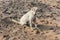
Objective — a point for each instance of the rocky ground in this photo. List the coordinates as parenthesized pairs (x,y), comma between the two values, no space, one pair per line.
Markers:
(47,19)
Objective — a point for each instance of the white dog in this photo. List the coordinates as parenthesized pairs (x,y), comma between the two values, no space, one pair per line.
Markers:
(28,17)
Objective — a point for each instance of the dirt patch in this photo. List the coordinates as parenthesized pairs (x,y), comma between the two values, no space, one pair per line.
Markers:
(47,19)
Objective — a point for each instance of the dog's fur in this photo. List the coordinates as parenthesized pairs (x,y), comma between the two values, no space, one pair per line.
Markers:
(28,17)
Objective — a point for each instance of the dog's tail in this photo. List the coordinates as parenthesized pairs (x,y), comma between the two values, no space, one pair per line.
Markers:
(15,21)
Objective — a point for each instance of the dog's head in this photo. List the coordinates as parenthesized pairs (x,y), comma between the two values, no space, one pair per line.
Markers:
(34,8)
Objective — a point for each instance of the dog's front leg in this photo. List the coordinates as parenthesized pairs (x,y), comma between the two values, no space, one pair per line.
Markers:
(30,23)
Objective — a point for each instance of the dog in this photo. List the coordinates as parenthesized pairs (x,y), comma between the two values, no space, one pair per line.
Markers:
(28,17)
